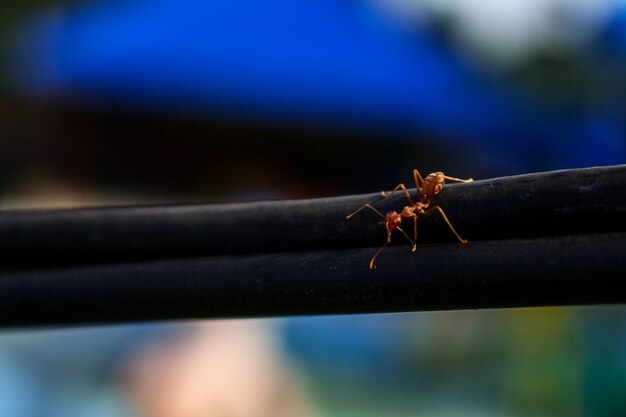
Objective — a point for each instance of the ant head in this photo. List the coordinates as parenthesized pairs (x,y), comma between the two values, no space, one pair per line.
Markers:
(393,220)
(433,183)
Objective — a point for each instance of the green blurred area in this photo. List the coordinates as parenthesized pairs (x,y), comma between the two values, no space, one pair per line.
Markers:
(556,361)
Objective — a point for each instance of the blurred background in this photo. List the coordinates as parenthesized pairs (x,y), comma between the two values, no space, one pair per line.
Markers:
(162,101)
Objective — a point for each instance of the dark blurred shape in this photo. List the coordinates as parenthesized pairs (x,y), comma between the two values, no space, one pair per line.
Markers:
(316,62)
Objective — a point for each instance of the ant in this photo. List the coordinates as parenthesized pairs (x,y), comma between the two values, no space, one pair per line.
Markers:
(431,186)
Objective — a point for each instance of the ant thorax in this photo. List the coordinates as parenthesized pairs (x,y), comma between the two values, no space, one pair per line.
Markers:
(407,211)
(420,207)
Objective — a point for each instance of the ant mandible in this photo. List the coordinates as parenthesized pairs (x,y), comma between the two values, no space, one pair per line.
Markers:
(431,186)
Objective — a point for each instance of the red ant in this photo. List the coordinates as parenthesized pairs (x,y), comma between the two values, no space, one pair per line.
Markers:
(431,186)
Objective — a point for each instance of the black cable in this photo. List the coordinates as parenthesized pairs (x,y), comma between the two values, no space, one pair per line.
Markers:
(586,269)
(591,200)
(556,238)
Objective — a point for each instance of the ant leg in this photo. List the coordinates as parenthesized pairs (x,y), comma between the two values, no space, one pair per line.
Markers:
(406,193)
(387,242)
(417,176)
(369,206)
(419,183)
(457,179)
(410,240)
(381,249)
(376,254)
(447,222)
(414,234)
